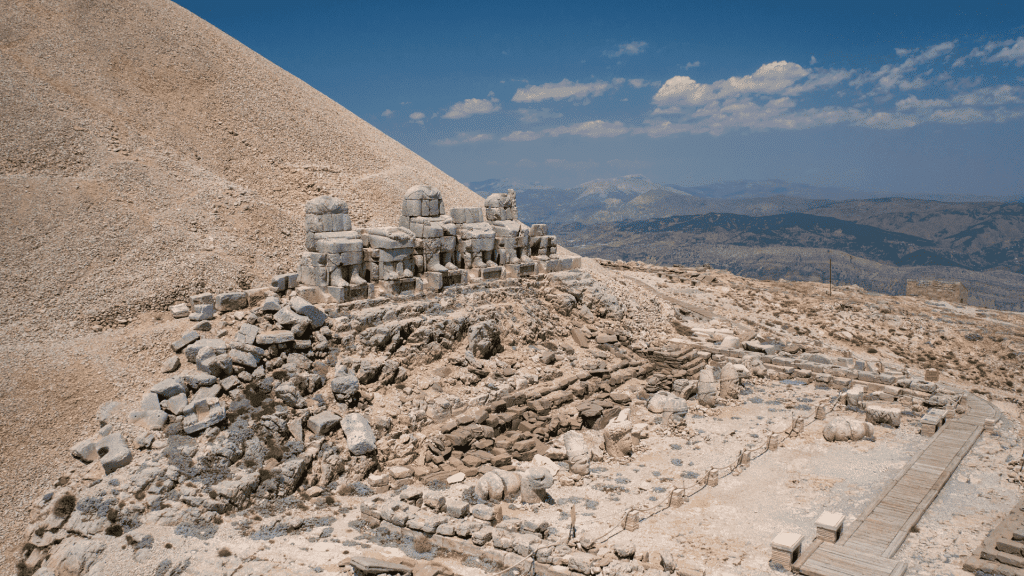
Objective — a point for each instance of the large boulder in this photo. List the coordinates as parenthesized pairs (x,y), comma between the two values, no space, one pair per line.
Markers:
(359,434)
(484,340)
(113,452)
(345,386)
(317,317)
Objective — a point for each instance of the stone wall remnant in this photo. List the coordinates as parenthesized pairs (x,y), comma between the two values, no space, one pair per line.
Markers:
(954,292)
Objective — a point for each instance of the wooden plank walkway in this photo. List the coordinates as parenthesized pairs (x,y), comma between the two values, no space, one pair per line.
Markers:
(825,559)
(883,527)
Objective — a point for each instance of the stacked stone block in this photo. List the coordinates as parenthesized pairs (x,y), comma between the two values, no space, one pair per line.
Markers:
(389,258)
(475,245)
(428,251)
(334,257)
(511,237)
(542,245)
(436,258)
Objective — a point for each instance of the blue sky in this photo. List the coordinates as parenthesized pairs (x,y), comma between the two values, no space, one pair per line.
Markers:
(888,97)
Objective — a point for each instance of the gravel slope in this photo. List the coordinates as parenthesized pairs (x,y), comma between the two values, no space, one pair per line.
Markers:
(144,156)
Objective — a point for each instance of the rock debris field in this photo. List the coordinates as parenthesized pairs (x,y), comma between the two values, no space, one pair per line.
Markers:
(619,419)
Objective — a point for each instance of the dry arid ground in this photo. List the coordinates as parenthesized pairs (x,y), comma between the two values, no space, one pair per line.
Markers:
(145,156)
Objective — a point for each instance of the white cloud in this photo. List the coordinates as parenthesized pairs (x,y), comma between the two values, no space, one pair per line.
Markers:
(694,64)
(565,89)
(471,106)
(532,115)
(417,117)
(818,79)
(387,113)
(892,76)
(684,90)
(813,60)
(464,138)
(523,136)
(990,96)
(778,114)
(888,121)
(771,78)
(1010,53)
(770,97)
(913,103)
(630,49)
(957,116)
(591,129)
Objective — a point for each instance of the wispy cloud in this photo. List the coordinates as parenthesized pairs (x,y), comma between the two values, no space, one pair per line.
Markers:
(630,49)
(417,117)
(566,89)
(783,95)
(533,115)
(892,76)
(1009,51)
(471,106)
(590,129)
(694,64)
(464,138)
(387,113)
(523,136)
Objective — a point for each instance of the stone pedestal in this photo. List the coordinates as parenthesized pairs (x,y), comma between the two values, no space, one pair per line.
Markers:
(437,281)
(401,287)
(486,274)
(786,550)
(829,526)
(350,293)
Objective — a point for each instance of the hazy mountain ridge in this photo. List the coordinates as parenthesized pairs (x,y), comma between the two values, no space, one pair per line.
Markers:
(769,228)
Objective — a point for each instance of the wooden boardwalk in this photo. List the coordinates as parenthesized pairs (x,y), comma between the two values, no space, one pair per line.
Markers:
(883,527)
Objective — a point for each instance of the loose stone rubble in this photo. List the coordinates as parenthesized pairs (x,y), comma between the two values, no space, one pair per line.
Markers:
(445,383)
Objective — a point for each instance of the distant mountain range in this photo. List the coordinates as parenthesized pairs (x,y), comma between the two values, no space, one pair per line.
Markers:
(776,229)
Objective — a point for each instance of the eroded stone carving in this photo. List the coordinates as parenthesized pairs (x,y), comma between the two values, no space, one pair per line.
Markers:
(429,249)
